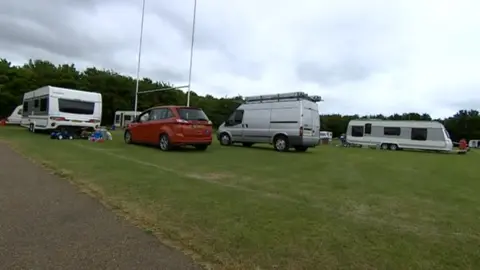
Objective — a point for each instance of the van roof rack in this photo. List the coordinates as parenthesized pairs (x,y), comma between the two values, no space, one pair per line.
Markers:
(293,96)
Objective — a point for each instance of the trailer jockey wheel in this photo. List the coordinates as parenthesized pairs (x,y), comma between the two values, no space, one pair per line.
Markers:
(60,137)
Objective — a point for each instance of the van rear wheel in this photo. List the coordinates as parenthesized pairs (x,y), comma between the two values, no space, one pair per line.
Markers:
(280,143)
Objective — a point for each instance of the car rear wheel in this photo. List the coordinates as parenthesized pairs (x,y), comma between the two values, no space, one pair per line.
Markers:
(127,137)
(164,142)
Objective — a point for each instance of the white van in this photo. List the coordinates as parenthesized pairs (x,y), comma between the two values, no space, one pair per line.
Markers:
(287,121)
(50,108)
(16,117)
(394,135)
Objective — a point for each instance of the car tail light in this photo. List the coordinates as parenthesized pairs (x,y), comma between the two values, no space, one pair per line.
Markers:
(300,131)
(58,118)
(93,121)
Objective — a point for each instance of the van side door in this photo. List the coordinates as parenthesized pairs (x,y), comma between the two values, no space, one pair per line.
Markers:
(256,125)
(234,124)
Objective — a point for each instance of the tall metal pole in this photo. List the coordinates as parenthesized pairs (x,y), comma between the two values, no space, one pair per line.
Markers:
(191,51)
(139,58)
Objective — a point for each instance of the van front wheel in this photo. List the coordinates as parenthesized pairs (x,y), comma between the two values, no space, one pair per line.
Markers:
(225,139)
(280,143)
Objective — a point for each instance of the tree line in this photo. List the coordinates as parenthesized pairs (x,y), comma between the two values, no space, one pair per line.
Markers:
(118,94)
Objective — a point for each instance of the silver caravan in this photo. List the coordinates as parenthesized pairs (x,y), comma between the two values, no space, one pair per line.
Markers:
(393,135)
(287,121)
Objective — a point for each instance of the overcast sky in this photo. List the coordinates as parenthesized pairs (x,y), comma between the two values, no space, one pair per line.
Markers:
(362,57)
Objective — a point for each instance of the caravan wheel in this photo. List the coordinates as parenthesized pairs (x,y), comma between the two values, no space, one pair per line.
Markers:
(393,147)
(384,146)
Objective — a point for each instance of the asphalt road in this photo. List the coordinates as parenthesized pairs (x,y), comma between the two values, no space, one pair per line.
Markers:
(46,223)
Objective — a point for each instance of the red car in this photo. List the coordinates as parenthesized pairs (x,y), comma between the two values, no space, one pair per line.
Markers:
(171,126)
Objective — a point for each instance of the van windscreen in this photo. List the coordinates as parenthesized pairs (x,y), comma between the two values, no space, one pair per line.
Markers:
(192,114)
(75,106)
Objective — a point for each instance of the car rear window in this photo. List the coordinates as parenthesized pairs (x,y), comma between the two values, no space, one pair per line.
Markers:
(192,114)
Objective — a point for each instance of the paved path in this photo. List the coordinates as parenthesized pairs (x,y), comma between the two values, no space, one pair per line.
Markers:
(45,223)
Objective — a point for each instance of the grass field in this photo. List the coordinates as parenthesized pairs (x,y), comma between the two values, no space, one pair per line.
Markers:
(241,208)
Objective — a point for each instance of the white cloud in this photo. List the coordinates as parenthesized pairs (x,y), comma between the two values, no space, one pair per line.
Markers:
(361,56)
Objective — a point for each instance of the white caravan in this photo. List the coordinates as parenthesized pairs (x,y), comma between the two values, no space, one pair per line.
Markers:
(474,144)
(16,117)
(123,118)
(287,121)
(393,135)
(50,108)
(326,135)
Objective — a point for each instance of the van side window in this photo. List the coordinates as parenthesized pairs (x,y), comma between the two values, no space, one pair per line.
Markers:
(391,131)
(368,128)
(35,103)
(238,118)
(43,104)
(419,134)
(25,106)
(357,131)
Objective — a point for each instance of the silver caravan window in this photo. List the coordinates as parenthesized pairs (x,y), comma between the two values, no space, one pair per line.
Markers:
(419,134)
(25,106)
(391,131)
(128,118)
(357,131)
(75,106)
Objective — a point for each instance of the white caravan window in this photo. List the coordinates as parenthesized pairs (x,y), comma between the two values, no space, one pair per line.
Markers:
(419,134)
(357,131)
(20,112)
(391,131)
(75,106)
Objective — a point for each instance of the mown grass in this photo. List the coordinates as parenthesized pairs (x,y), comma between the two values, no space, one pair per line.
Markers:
(241,208)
